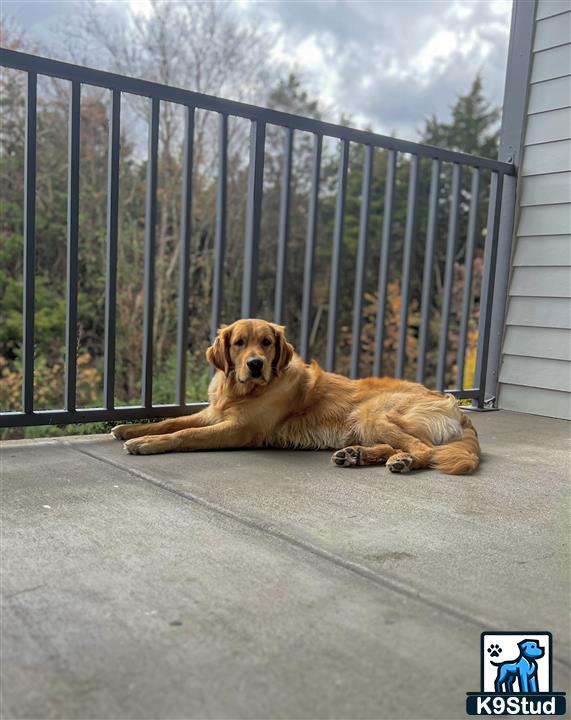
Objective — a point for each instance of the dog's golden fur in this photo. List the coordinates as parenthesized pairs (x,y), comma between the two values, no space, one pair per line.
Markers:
(279,401)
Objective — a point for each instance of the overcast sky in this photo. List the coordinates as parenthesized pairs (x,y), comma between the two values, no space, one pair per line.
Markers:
(388,64)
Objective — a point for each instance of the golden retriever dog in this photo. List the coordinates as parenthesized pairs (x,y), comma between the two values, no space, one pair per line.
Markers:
(264,395)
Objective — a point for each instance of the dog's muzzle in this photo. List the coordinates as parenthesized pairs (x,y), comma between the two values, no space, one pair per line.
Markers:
(255,366)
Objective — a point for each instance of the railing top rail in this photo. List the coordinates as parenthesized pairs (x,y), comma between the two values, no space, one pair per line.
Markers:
(112,81)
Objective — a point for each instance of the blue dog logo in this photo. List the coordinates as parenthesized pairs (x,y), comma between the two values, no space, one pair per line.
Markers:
(523,669)
(519,686)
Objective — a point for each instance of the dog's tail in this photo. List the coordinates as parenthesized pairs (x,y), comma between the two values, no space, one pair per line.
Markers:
(459,457)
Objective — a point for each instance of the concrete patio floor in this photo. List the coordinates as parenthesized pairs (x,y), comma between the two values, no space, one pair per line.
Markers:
(270,584)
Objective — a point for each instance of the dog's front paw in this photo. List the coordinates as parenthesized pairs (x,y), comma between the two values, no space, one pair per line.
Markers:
(152,444)
(400,463)
(126,432)
(119,432)
(348,457)
(135,446)
(146,445)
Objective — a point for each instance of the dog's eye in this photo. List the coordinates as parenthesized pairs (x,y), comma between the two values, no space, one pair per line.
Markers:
(266,342)
(239,343)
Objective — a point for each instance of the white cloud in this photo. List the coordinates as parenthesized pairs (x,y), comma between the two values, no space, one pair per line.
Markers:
(439,48)
(391,64)
(309,54)
(141,7)
(501,8)
(461,10)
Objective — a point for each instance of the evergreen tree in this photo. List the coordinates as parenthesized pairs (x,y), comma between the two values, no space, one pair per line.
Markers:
(474,127)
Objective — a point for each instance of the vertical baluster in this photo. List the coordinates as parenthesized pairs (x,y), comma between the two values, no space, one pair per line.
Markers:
(283,236)
(111,252)
(409,239)
(361,261)
(384,260)
(487,293)
(72,247)
(149,276)
(185,236)
(468,273)
(220,237)
(310,249)
(253,219)
(428,273)
(336,257)
(29,292)
(452,242)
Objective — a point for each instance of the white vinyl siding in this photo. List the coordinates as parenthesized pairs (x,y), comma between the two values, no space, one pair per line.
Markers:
(550,95)
(549,219)
(551,64)
(535,251)
(540,342)
(540,312)
(550,189)
(536,401)
(548,157)
(535,375)
(548,8)
(536,372)
(541,282)
(549,126)
(552,31)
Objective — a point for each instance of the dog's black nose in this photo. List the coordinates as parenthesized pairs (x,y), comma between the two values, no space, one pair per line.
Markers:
(255,366)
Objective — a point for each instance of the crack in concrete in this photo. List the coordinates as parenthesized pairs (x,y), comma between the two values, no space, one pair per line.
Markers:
(24,590)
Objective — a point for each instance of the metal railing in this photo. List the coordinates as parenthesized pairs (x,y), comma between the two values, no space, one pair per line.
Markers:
(259,118)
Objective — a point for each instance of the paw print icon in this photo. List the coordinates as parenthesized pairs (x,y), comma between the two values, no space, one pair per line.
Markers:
(494,650)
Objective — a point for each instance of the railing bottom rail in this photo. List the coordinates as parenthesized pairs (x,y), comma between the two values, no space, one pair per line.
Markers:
(65,417)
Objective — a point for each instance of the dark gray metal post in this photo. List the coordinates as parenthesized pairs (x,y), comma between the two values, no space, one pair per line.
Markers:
(29,303)
(310,250)
(220,237)
(428,270)
(149,276)
(487,294)
(29,299)
(511,142)
(473,228)
(184,260)
(111,259)
(283,235)
(452,242)
(409,240)
(72,247)
(384,261)
(253,219)
(336,258)
(361,261)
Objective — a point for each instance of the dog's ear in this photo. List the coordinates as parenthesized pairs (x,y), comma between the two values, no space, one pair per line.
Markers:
(284,351)
(218,354)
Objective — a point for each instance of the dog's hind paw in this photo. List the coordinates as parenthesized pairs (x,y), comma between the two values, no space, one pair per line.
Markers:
(348,457)
(399,463)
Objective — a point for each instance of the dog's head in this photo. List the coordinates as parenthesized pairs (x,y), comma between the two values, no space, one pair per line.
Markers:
(531,649)
(253,351)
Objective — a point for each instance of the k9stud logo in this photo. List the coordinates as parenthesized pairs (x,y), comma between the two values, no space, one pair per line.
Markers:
(515,676)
